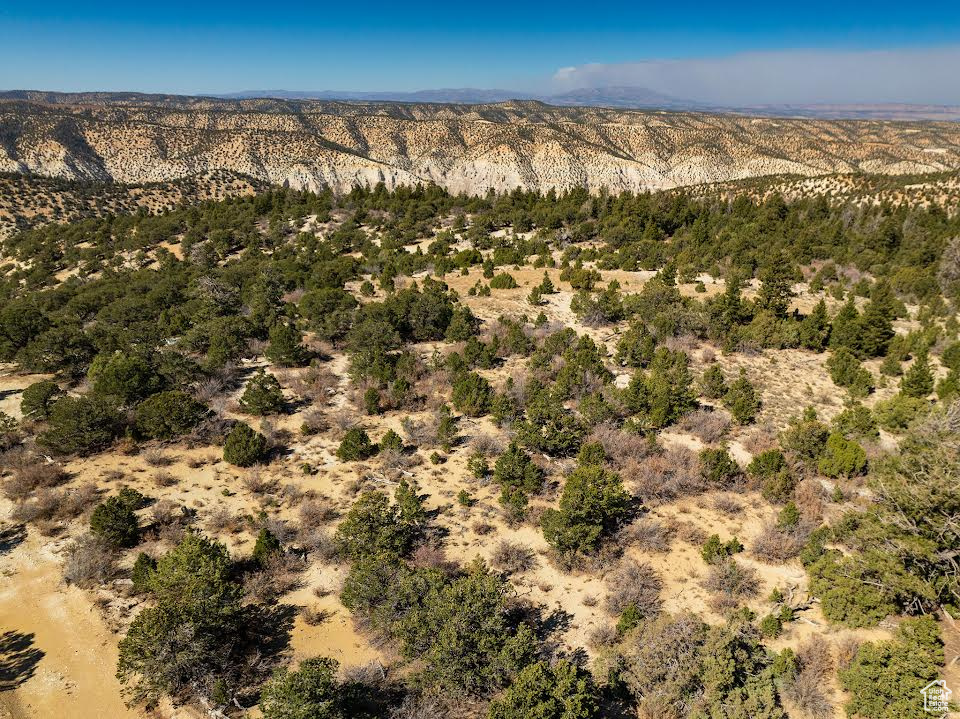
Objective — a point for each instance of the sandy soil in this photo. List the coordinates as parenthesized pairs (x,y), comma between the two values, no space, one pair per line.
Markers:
(68,656)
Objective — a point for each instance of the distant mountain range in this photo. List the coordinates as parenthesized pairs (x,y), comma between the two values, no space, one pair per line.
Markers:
(621,97)
(616,97)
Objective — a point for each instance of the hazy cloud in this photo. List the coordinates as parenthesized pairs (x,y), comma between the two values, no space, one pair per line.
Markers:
(929,76)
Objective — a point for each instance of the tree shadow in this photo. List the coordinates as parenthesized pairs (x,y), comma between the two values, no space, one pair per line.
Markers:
(18,659)
(11,537)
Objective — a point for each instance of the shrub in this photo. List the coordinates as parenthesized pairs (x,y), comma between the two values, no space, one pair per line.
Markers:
(244,447)
(391,441)
(309,692)
(371,401)
(856,421)
(127,378)
(635,586)
(503,281)
(713,383)
(80,425)
(38,398)
(742,401)
(678,666)
(592,506)
(356,446)
(559,691)
(842,458)
(636,347)
(166,415)
(285,348)
(717,467)
(514,468)
(846,371)
(917,382)
(142,573)
(767,463)
(885,678)
(805,437)
(899,412)
(850,591)
(789,516)
(266,547)
(197,605)
(115,522)
(714,551)
(472,394)
(90,561)
(373,526)
(262,395)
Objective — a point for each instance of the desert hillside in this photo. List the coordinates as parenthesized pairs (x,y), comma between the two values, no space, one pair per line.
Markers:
(463,148)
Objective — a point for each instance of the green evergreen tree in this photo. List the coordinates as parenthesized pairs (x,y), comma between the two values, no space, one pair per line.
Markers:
(286,348)
(742,400)
(244,447)
(917,382)
(262,394)
(814,331)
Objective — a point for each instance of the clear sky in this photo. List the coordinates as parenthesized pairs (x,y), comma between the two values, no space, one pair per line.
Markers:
(753,50)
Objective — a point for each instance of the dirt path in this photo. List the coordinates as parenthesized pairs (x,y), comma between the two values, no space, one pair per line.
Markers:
(57,658)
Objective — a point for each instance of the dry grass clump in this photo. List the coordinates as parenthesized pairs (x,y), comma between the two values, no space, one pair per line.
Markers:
(482,528)
(809,496)
(341,420)
(512,557)
(30,473)
(89,562)
(281,529)
(314,421)
(170,520)
(155,458)
(257,483)
(623,449)
(314,616)
(164,479)
(762,438)
(209,391)
(212,430)
(708,426)
(222,519)
(649,535)
(733,579)
(776,545)
(847,649)
(687,531)
(433,556)
(318,542)
(314,513)
(317,383)
(727,504)
(487,445)
(634,584)
(49,508)
(806,688)
(665,477)
(422,433)
(603,637)
(279,576)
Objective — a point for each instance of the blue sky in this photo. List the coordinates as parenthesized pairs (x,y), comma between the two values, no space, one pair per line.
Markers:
(749,49)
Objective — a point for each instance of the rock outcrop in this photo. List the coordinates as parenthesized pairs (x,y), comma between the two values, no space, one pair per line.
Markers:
(464,148)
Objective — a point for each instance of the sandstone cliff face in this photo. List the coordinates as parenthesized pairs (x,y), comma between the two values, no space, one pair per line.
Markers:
(464,148)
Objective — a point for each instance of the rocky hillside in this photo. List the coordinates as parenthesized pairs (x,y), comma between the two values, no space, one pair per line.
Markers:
(465,148)
(28,201)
